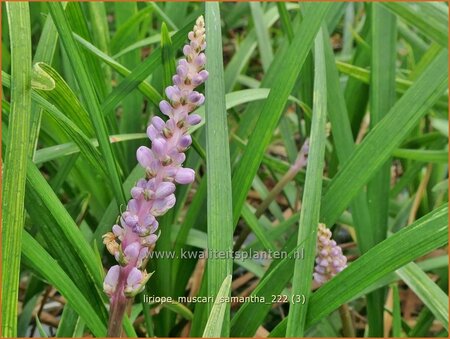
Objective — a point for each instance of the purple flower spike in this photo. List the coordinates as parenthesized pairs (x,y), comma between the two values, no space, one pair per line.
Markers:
(200,78)
(330,260)
(132,241)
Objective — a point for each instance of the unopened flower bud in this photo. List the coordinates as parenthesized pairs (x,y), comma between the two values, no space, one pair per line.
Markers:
(165,107)
(111,280)
(135,282)
(185,176)
(193,119)
(144,156)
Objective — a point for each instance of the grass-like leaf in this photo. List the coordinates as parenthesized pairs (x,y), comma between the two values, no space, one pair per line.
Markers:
(69,323)
(427,290)
(63,237)
(309,217)
(41,330)
(213,328)
(16,158)
(396,313)
(62,150)
(250,315)
(433,26)
(147,89)
(285,20)
(87,89)
(422,155)
(128,20)
(344,143)
(219,203)
(168,58)
(44,53)
(41,79)
(382,98)
(262,35)
(63,97)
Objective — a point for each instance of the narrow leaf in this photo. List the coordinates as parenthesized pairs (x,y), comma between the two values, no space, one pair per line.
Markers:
(427,290)
(87,89)
(15,162)
(168,58)
(309,217)
(219,203)
(216,319)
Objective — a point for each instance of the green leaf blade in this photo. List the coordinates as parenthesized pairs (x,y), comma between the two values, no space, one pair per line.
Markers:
(16,159)
(219,202)
(216,319)
(382,98)
(88,91)
(309,217)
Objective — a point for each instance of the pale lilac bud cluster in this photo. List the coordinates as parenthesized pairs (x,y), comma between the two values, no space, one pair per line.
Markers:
(329,260)
(131,240)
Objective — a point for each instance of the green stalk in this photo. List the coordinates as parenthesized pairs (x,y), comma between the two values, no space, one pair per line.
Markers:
(348,329)
(287,178)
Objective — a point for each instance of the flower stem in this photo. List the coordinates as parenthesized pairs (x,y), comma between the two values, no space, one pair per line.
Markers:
(288,177)
(347,323)
(117,311)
